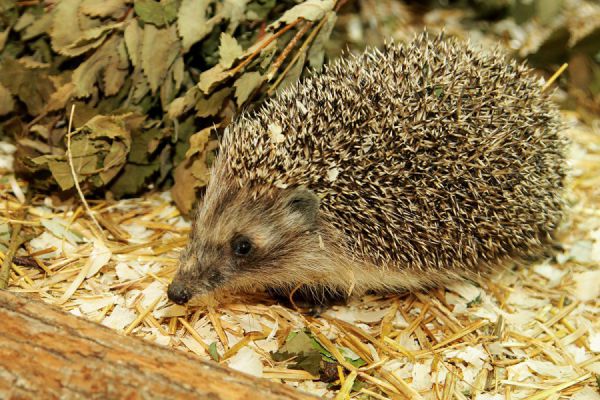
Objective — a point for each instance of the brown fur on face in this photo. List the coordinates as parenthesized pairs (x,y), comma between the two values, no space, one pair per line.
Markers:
(282,225)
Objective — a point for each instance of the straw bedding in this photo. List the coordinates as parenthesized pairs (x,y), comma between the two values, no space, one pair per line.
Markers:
(529,333)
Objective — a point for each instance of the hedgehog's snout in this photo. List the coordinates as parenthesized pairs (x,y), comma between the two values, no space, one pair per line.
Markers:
(179,293)
(195,278)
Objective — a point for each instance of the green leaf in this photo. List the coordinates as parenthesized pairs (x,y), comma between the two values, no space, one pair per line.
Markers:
(359,362)
(475,301)
(309,362)
(324,352)
(299,343)
(212,350)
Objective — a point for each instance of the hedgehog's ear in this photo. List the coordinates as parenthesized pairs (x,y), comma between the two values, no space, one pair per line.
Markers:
(306,203)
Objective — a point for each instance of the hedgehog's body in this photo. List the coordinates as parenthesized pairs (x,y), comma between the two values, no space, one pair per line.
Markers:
(428,161)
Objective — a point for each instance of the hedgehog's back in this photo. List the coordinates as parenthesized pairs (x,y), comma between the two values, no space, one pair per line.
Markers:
(428,155)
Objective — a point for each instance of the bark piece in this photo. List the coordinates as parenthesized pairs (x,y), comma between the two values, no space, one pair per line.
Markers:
(46,353)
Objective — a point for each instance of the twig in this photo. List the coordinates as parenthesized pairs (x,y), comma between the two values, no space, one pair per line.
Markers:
(305,27)
(142,316)
(300,51)
(558,388)
(346,386)
(15,242)
(554,77)
(262,46)
(74,174)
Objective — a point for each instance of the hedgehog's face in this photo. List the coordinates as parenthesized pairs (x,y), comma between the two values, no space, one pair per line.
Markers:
(239,240)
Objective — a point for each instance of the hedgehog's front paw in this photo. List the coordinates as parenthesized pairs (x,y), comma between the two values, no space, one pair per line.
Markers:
(312,300)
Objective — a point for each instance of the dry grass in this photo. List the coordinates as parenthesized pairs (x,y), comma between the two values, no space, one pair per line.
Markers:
(529,333)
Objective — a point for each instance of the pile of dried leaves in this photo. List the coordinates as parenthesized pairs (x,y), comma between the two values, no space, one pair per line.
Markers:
(151,83)
(146,114)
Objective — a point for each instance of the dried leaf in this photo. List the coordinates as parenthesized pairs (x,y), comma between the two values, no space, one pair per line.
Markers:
(192,22)
(246,84)
(172,83)
(311,10)
(155,12)
(144,145)
(60,97)
(141,87)
(583,21)
(293,74)
(159,49)
(316,53)
(133,179)
(73,33)
(184,189)
(31,85)
(41,24)
(229,50)
(65,24)
(60,229)
(105,8)
(7,103)
(86,76)
(99,149)
(133,39)
(212,77)
(183,104)
(3,37)
(198,142)
(25,20)
(235,12)
(212,105)
(117,70)
(193,172)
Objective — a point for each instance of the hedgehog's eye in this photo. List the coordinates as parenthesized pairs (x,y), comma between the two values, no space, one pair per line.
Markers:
(241,246)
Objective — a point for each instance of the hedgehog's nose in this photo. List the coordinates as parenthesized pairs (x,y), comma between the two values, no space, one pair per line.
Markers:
(178,293)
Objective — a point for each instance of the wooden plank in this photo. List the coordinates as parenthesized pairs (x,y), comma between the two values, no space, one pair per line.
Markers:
(46,353)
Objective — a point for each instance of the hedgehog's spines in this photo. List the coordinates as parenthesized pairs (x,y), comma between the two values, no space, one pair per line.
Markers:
(443,157)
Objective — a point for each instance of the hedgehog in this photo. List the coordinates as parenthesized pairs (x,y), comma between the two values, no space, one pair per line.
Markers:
(397,169)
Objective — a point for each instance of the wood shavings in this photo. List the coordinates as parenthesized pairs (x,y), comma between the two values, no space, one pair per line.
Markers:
(587,285)
(528,330)
(119,318)
(248,361)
